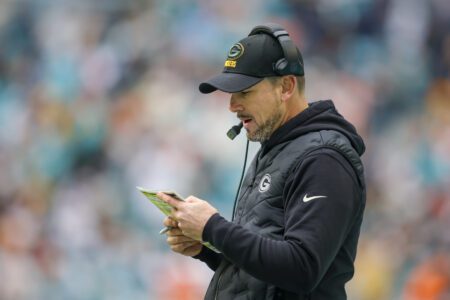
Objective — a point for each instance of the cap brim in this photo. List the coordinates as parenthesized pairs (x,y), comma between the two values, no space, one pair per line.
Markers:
(228,82)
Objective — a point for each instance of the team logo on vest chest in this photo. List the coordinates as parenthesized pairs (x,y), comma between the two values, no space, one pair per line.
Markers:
(264,185)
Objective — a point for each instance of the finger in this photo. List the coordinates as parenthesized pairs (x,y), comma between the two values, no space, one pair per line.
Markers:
(192,247)
(176,215)
(169,200)
(181,247)
(170,222)
(181,239)
(174,232)
(187,245)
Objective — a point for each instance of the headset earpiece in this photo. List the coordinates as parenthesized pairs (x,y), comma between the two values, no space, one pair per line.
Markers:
(281,65)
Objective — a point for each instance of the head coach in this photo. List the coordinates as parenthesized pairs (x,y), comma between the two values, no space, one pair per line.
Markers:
(297,218)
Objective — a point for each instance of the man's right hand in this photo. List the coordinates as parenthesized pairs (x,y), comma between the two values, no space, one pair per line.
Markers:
(180,243)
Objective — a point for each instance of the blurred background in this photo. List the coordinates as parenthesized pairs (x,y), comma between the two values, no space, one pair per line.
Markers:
(97,97)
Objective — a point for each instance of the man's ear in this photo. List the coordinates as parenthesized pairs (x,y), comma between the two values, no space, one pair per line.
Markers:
(288,86)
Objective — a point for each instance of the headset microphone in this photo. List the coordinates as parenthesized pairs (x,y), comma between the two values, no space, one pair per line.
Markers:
(234,131)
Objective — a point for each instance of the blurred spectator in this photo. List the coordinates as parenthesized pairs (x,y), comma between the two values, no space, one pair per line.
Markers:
(430,280)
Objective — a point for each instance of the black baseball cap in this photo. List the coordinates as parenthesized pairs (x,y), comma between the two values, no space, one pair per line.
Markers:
(248,62)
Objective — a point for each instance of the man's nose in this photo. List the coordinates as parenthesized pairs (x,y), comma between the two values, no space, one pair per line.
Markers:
(235,104)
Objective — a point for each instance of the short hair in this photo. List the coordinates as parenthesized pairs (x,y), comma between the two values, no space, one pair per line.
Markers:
(300,82)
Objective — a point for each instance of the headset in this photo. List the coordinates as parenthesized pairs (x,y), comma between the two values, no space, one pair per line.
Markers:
(292,63)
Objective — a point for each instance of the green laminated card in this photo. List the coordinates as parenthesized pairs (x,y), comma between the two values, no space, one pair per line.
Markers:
(166,208)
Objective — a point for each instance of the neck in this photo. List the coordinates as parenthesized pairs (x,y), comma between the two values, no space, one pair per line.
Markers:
(295,106)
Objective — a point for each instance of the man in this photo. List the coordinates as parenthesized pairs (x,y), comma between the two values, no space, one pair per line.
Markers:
(296,224)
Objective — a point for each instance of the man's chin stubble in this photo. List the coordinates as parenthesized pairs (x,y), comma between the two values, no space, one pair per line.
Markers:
(264,132)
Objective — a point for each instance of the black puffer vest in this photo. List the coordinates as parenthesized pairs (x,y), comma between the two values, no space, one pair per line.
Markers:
(260,208)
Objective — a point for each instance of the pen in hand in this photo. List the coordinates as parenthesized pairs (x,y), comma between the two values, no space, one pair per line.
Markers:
(169,225)
(165,229)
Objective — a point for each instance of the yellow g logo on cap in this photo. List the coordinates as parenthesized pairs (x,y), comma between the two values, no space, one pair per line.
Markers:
(236,51)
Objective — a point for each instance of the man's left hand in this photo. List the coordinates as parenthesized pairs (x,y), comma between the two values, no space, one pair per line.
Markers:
(191,214)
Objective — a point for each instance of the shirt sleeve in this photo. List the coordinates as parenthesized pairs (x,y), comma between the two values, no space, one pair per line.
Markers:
(321,199)
(210,258)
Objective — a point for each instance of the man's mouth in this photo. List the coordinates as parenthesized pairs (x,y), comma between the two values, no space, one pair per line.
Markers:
(246,121)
